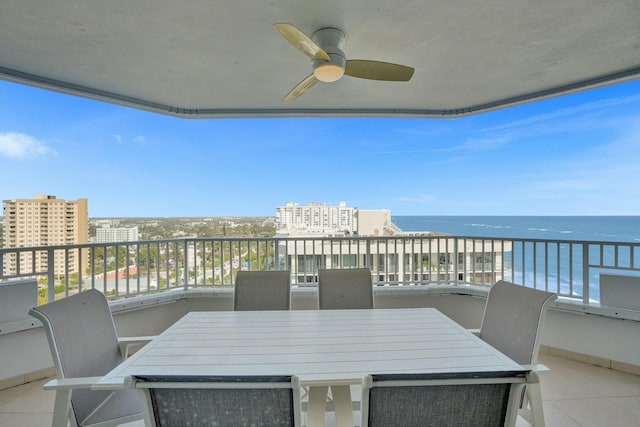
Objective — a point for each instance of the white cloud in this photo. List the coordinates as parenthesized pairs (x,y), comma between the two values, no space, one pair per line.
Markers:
(127,140)
(598,181)
(580,119)
(482,144)
(21,146)
(595,106)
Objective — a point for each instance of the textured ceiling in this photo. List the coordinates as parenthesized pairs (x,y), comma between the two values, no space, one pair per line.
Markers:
(197,58)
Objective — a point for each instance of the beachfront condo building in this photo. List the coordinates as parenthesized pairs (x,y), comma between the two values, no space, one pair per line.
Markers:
(322,219)
(319,237)
(44,221)
(316,218)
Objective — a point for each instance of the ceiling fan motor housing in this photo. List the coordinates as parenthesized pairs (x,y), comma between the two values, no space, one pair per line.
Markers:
(331,40)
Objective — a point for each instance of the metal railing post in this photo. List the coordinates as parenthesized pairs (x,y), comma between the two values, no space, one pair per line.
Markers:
(51,275)
(455,262)
(585,273)
(185,266)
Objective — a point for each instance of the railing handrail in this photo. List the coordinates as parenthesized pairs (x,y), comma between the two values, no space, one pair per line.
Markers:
(567,267)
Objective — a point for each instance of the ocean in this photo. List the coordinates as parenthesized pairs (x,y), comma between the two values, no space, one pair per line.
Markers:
(582,228)
(620,229)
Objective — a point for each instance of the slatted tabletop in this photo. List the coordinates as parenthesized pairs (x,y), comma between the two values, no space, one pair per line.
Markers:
(321,347)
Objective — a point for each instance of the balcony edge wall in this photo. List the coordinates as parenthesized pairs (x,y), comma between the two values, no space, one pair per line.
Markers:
(611,342)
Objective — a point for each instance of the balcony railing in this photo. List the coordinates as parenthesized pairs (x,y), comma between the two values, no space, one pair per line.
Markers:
(127,269)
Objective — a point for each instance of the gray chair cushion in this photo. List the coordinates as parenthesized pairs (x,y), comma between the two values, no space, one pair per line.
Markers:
(84,343)
(262,290)
(224,407)
(513,318)
(455,405)
(345,289)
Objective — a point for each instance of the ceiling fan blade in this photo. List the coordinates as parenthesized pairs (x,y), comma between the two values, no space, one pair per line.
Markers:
(376,70)
(301,41)
(302,87)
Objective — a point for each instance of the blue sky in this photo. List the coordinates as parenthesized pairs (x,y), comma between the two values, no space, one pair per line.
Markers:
(575,155)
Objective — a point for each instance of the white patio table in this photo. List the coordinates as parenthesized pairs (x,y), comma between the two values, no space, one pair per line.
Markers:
(322,347)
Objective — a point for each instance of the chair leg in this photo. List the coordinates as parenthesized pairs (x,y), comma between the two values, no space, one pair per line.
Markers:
(531,410)
(534,396)
(61,408)
(147,411)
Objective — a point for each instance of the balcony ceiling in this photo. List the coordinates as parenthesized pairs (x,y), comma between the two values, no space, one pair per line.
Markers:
(207,58)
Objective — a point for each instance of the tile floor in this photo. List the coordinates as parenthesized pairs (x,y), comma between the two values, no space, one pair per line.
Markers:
(574,394)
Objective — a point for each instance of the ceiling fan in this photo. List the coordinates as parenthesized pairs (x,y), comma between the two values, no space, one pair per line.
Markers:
(329,61)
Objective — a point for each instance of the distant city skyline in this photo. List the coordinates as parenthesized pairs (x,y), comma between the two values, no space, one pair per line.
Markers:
(574,155)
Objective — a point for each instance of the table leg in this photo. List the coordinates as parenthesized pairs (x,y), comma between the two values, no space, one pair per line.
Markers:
(316,406)
(343,405)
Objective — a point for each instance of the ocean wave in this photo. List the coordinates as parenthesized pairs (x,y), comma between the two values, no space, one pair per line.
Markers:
(488,226)
(615,229)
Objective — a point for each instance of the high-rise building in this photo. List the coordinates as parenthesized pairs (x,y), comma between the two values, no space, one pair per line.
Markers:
(45,221)
(316,218)
(116,234)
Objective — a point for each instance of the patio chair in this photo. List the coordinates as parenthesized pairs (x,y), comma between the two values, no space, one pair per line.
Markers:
(348,288)
(442,399)
(512,323)
(262,290)
(221,401)
(84,347)
(343,289)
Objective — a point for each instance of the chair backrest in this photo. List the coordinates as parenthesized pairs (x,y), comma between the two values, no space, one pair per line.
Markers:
(512,321)
(442,399)
(262,290)
(348,288)
(221,401)
(83,342)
